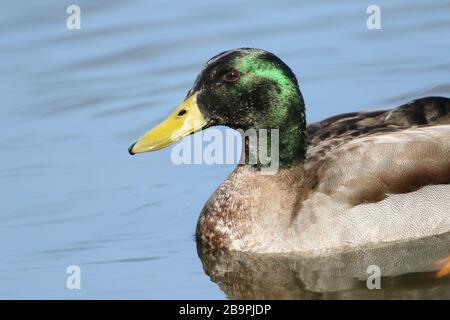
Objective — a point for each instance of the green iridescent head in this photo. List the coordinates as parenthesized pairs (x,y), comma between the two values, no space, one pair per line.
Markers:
(252,88)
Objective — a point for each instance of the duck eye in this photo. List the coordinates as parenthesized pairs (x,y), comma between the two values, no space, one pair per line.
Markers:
(182,112)
(231,76)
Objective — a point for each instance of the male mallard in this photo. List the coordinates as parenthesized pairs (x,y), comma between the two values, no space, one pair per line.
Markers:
(350,180)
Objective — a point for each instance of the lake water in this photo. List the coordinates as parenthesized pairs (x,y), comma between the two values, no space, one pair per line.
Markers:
(72,101)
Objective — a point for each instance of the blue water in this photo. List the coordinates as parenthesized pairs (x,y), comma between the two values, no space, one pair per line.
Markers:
(73,100)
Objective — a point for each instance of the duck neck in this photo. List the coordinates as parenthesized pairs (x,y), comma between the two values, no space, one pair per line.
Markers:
(287,116)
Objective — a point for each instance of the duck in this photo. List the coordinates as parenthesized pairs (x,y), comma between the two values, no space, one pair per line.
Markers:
(353,180)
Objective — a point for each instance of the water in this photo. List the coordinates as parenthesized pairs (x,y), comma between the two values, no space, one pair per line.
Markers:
(72,101)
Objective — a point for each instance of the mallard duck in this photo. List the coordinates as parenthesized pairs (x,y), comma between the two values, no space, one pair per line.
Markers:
(351,180)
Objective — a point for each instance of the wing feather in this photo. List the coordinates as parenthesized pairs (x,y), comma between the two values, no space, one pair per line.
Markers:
(360,158)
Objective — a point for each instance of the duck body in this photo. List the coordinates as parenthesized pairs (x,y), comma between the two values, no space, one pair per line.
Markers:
(368,178)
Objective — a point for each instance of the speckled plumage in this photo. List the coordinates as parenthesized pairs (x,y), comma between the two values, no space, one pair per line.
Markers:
(358,163)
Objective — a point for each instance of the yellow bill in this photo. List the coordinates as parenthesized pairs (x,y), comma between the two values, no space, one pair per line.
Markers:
(186,119)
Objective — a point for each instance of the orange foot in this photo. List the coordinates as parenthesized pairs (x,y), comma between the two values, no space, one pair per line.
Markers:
(445,267)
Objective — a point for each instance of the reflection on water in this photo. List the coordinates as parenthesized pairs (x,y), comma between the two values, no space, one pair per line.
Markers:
(409,270)
(72,101)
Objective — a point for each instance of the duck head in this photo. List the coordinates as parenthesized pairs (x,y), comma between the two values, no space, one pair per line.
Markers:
(241,89)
